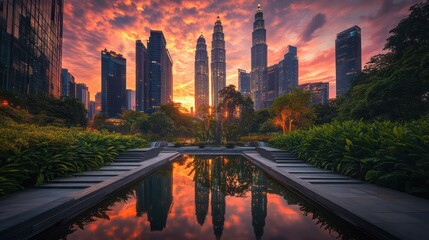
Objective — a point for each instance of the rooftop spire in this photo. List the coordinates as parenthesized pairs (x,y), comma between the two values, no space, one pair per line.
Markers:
(258,9)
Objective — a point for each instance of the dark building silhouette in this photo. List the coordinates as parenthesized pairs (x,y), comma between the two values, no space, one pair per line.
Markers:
(68,84)
(155,197)
(202,91)
(31,46)
(243,82)
(270,87)
(348,58)
(218,196)
(259,203)
(142,77)
(288,71)
(113,83)
(82,94)
(160,72)
(202,190)
(218,62)
(319,92)
(258,59)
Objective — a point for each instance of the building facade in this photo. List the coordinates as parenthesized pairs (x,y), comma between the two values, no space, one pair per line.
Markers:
(202,90)
(82,94)
(68,84)
(244,82)
(218,62)
(160,86)
(131,99)
(98,103)
(31,35)
(348,59)
(270,87)
(288,71)
(319,92)
(142,77)
(258,59)
(113,83)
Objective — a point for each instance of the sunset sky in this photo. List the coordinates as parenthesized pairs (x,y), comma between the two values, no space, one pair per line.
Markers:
(90,26)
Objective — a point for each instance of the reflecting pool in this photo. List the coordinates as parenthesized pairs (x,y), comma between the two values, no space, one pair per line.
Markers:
(206,197)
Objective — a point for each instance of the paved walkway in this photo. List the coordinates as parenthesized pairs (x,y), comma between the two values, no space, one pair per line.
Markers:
(26,213)
(381,212)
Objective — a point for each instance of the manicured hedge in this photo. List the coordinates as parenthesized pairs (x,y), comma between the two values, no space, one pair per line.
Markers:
(31,155)
(391,154)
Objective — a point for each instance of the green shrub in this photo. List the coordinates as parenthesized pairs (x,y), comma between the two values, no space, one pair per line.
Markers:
(31,155)
(230,145)
(390,154)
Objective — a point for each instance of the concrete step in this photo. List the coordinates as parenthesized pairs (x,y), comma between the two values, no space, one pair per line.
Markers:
(293,165)
(116,168)
(333,181)
(79,179)
(125,164)
(128,160)
(98,173)
(66,185)
(289,161)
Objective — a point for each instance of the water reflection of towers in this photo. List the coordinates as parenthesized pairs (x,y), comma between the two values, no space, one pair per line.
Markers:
(154,197)
(212,175)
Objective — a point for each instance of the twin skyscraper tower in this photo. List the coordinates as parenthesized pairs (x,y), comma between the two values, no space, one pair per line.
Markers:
(257,76)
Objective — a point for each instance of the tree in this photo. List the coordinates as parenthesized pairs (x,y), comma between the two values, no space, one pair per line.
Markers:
(136,121)
(206,125)
(292,110)
(161,124)
(395,85)
(236,113)
(325,113)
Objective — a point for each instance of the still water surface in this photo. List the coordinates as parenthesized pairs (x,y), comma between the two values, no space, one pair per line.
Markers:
(206,197)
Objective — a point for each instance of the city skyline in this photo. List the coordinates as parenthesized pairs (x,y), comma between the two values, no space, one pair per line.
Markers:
(310,26)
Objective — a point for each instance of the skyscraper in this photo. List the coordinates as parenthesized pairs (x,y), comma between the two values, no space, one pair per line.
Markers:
(113,83)
(31,35)
(82,94)
(348,58)
(243,82)
(68,85)
(270,86)
(319,92)
(218,62)
(98,103)
(202,90)
(142,77)
(288,71)
(160,72)
(131,99)
(258,58)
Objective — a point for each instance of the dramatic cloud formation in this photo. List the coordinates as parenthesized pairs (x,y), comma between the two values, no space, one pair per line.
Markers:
(316,22)
(90,26)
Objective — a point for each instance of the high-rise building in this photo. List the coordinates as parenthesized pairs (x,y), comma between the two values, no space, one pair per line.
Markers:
(131,99)
(258,58)
(288,71)
(91,110)
(113,83)
(348,58)
(98,103)
(218,62)
(68,85)
(319,92)
(82,94)
(161,72)
(142,77)
(31,45)
(270,87)
(243,82)
(202,90)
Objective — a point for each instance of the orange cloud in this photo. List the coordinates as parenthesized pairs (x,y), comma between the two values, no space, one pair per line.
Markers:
(90,26)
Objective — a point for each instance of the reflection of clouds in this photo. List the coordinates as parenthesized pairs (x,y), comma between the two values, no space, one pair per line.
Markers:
(90,26)
(282,220)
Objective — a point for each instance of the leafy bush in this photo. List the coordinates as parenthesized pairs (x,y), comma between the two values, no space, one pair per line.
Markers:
(386,153)
(31,155)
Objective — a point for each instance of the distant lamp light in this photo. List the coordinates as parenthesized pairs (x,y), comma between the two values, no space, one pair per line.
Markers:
(5,103)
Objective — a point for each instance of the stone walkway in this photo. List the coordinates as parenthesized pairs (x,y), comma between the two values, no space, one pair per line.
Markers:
(26,213)
(381,212)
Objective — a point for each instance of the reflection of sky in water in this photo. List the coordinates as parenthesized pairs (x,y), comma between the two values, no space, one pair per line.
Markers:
(172,192)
